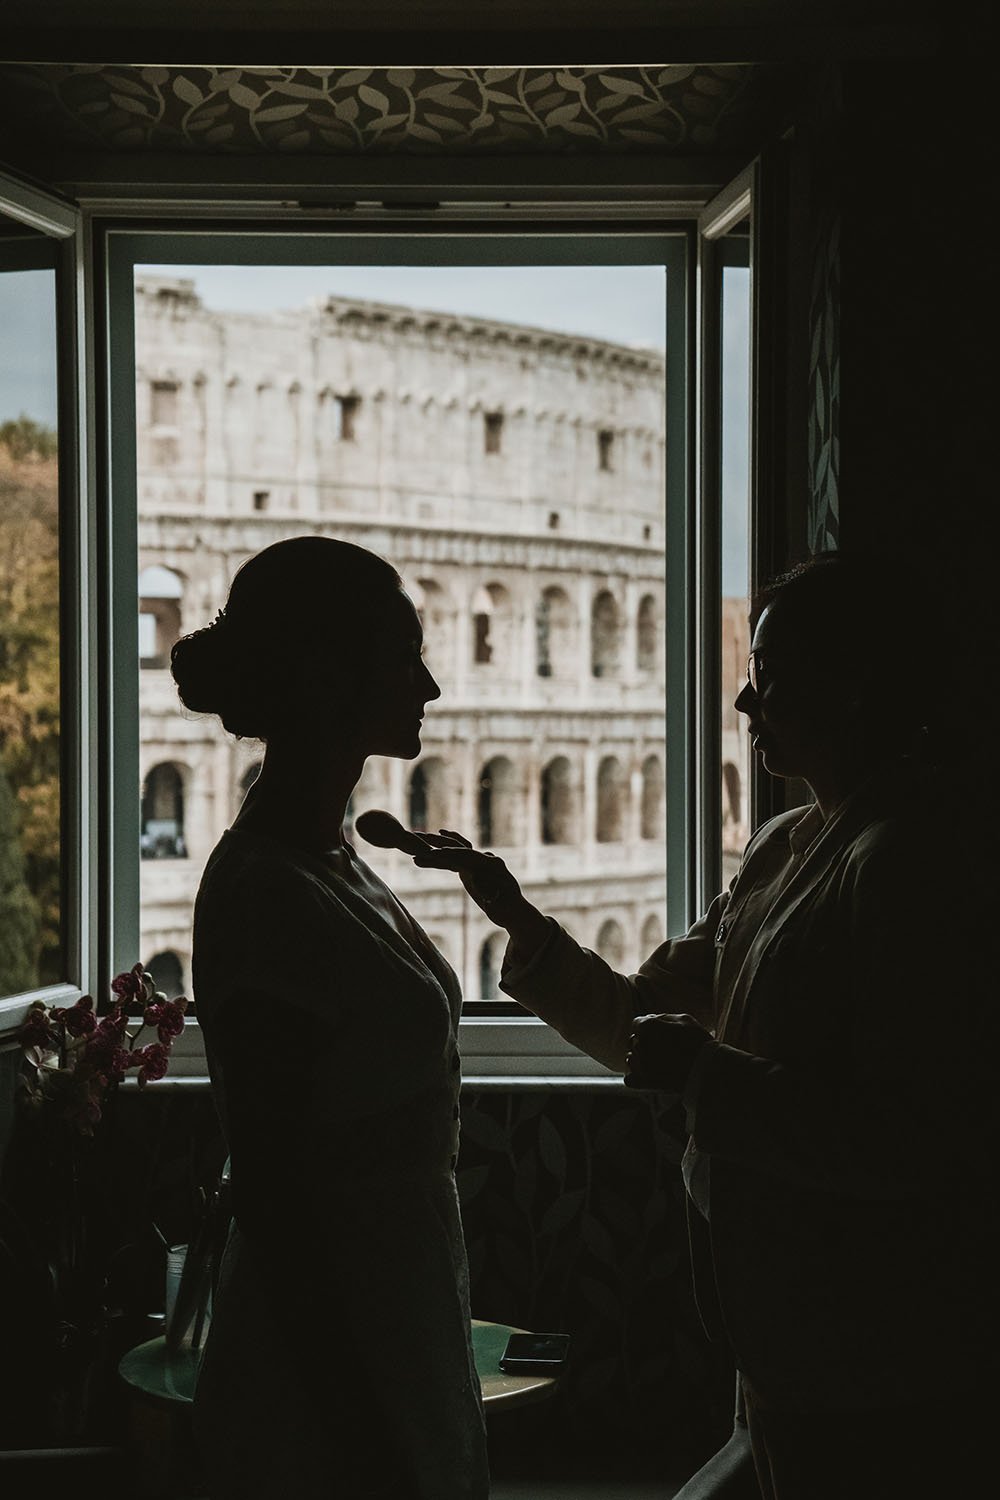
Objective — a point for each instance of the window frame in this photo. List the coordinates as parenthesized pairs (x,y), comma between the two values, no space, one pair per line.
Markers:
(83,910)
(509,1048)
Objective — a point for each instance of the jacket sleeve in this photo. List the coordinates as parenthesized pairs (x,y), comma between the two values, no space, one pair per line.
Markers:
(593,1007)
(903,1100)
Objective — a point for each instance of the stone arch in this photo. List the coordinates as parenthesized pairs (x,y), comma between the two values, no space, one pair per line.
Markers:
(611,942)
(162,813)
(651,934)
(437,617)
(732,794)
(554,634)
(427,795)
(611,800)
(490,962)
(496,804)
(166,970)
(492,626)
(557,811)
(651,808)
(160,593)
(647,635)
(605,635)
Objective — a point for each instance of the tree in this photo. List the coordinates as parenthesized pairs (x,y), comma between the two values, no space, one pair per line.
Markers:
(30,701)
(18,908)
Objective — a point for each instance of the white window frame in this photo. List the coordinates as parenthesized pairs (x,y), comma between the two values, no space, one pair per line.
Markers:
(83,909)
(494,1048)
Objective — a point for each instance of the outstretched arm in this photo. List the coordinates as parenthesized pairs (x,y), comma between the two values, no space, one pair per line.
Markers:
(571,988)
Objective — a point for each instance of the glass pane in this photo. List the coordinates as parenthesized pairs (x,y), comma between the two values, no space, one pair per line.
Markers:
(506,452)
(31,928)
(735,561)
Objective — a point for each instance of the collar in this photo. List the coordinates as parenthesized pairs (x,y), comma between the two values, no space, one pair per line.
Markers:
(809,826)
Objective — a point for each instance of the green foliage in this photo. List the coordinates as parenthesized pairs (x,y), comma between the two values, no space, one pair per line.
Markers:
(30,698)
(24,439)
(18,908)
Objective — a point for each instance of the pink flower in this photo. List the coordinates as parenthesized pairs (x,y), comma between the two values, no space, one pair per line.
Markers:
(80,1020)
(37,1030)
(153,1061)
(133,988)
(170,1022)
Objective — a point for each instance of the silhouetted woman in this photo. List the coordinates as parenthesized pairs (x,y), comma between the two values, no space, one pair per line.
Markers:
(830,1025)
(339,1361)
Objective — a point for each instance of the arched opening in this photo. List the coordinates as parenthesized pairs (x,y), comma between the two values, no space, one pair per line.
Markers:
(732,795)
(426,797)
(434,608)
(611,943)
(605,634)
(490,963)
(491,626)
(647,635)
(652,934)
(554,634)
(651,812)
(160,591)
(496,804)
(556,802)
(610,801)
(162,828)
(250,776)
(167,973)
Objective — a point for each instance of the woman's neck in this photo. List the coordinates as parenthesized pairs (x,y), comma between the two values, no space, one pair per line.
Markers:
(301,794)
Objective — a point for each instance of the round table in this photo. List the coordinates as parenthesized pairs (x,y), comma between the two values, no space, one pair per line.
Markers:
(163,1377)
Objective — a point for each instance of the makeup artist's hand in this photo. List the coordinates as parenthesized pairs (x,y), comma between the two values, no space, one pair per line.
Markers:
(663,1052)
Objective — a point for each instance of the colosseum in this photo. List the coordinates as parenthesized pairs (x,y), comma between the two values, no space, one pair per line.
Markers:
(515,478)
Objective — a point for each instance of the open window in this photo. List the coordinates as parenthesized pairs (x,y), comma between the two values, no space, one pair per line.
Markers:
(48,924)
(537,628)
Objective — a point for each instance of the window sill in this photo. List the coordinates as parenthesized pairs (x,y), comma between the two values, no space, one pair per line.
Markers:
(513,1053)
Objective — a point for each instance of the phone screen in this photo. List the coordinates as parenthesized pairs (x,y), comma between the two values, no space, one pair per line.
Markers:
(535,1352)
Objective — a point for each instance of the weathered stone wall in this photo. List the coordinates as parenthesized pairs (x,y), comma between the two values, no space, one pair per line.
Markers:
(370,423)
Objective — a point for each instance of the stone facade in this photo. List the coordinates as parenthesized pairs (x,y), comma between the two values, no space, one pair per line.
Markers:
(515,478)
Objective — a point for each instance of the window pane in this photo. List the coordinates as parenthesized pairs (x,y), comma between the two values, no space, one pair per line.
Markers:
(31,926)
(512,467)
(735,561)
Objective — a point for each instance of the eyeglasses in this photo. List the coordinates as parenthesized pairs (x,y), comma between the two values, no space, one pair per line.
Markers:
(758,670)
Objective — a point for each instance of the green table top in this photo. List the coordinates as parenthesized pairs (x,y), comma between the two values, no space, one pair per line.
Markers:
(151,1371)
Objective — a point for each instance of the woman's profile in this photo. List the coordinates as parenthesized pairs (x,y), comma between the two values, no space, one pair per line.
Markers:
(339,1360)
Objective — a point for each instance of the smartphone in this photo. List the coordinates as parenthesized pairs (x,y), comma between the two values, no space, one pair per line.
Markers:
(534,1353)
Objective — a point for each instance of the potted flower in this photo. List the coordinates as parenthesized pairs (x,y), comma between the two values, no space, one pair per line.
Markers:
(57,1217)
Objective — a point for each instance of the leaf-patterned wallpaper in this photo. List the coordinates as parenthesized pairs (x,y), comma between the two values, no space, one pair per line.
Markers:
(680,108)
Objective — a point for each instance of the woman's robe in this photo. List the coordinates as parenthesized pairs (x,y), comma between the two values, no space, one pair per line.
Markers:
(339,1360)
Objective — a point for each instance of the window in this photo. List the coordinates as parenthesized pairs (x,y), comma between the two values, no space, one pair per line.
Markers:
(164,403)
(555,634)
(611,795)
(490,962)
(347,408)
(492,431)
(497,805)
(651,825)
(260,499)
(162,835)
(43,944)
(507,601)
(160,591)
(604,636)
(557,802)
(605,450)
(428,795)
(611,943)
(647,635)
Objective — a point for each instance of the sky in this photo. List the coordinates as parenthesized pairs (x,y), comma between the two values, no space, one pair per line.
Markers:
(625,304)
(28,346)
